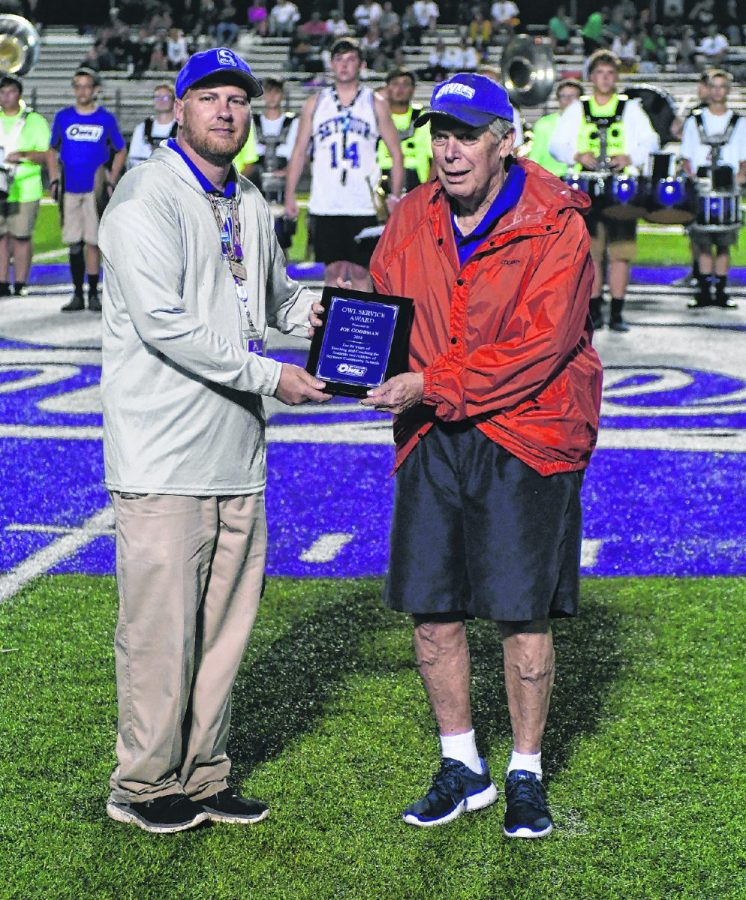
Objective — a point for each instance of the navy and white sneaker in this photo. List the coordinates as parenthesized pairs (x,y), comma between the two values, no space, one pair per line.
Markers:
(455,789)
(228,806)
(527,813)
(163,815)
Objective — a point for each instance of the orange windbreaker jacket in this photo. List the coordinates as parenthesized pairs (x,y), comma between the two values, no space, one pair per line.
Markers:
(505,340)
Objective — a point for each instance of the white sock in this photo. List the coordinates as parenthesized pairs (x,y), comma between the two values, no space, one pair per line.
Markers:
(462,747)
(529,762)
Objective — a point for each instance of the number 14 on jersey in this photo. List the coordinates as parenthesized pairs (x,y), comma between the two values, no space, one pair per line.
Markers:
(350,153)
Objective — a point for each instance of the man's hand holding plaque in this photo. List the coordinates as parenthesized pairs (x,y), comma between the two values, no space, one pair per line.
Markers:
(397,394)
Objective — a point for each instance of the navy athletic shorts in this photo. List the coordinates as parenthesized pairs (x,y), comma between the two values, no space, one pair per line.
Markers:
(476,532)
(334,239)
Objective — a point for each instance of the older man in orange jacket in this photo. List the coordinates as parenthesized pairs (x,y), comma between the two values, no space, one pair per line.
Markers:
(496,421)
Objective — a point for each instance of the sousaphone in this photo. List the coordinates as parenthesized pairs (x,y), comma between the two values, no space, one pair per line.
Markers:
(528,71)
(19,52)
(20,45)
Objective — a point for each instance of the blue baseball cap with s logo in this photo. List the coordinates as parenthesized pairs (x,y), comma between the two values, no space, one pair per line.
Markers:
(469,98)
(216,61)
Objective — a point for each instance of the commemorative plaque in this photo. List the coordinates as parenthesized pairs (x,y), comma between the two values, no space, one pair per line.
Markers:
(363,341)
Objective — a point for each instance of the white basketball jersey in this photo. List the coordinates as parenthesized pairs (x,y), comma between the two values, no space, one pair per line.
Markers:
(344,169)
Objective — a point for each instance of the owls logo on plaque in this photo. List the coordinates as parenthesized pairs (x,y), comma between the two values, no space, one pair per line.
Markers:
(364,340)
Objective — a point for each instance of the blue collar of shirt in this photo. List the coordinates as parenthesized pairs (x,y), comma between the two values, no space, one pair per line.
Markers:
(506,199)
(207,186)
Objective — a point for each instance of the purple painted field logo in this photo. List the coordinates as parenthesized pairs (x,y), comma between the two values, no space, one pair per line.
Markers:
(663,495)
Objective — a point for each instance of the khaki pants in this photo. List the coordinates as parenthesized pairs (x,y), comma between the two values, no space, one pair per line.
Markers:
(190,572)
(80,219)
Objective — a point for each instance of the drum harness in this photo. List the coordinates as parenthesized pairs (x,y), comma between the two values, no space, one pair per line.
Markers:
(148,132)
(715,142)
(10,144)
(603,124)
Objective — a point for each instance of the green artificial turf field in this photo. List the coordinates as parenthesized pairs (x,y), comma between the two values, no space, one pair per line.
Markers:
(658,248)
(644,754)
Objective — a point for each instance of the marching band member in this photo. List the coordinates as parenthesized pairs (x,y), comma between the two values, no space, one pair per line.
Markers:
(415,142)
(567,91)
(714,139)
(606,117)
(344,122)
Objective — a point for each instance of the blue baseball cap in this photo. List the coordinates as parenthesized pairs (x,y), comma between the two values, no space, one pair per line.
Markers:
(469,98)
(217,61)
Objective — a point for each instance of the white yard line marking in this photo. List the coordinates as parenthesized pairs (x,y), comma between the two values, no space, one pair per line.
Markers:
(55,529)
(326,548)
(51,432)
(589,552)
(48,557)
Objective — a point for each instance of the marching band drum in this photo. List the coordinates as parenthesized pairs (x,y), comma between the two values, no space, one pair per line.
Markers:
(710,202)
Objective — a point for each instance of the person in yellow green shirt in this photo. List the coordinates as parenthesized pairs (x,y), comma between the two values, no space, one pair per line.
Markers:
(247,155)
(24,145)
(415,142)
(629,140)
(567,91)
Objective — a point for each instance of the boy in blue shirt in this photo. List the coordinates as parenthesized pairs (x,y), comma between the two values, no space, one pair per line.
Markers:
(83,136)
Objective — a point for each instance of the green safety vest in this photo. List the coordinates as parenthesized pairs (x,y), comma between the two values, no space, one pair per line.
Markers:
(608,116)
(415,144)
(542,134)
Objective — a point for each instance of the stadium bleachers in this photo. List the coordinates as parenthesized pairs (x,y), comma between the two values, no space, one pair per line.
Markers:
(63,50)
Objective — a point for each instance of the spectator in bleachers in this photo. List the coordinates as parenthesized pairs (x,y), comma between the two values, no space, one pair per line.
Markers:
(625,47)
(392,42)
(619,21)
(652,49)
(336,25)
(283,18)
(480,31)
(142,52)
(437,63)
(426,14)
(257,18)
(732,24)
(370,49)
(389,17)
(177,51)
(315,30)
(410,29)
(25,146)
(713,48)
(98,58)
(506,16)
(560,27)
(686,52)
(365,14)
(162,18)
(226,30)
(702,15)
(158,57)
(154,129)
(207,19)
(594,32)
(305,56)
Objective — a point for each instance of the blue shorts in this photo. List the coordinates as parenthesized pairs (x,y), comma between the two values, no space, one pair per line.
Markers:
(478,533)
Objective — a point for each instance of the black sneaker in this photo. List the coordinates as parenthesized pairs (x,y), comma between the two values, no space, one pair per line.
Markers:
(20,290)
(723,301)
(94,301)
(164,815)
(527,814)
(455,789)
(227,806)
(77,302)
(618,325)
